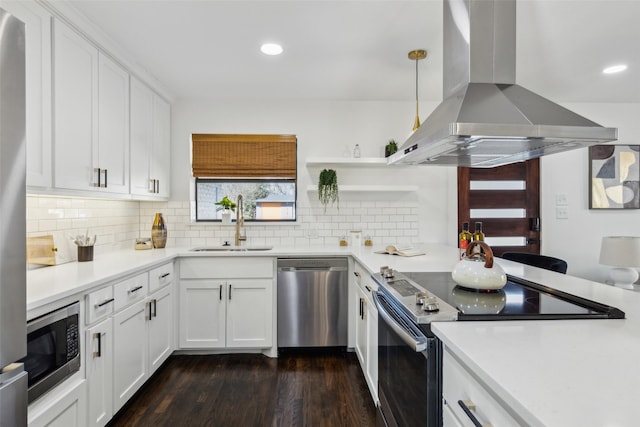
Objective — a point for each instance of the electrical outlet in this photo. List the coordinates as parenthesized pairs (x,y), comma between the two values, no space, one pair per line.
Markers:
(561,200)
(562,212)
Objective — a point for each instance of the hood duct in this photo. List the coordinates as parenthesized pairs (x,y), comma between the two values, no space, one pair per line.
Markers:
(486,119)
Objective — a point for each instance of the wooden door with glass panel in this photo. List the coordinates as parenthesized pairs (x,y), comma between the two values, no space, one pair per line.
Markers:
(506,199)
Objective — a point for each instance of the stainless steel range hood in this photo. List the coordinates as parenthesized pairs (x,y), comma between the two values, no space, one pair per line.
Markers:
(486,119)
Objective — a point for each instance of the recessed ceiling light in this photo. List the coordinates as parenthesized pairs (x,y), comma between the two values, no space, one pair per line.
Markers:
(271,49)
(614,69)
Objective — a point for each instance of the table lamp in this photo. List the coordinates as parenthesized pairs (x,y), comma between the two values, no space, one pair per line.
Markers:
(623,254)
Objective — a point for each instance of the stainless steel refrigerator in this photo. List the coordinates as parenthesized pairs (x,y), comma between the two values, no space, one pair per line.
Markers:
(13,276)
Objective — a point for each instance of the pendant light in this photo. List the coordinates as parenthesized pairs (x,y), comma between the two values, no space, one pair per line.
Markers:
(417,55)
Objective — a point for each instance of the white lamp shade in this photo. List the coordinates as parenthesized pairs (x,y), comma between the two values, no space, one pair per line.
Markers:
(620,251)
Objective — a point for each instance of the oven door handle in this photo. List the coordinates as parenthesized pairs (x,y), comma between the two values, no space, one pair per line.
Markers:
(419,345)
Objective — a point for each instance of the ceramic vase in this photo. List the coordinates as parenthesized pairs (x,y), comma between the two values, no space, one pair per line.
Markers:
(159,232)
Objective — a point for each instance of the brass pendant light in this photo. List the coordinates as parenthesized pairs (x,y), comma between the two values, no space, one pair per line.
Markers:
(417,55)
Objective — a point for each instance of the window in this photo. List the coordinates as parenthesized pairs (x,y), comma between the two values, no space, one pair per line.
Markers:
(262,168)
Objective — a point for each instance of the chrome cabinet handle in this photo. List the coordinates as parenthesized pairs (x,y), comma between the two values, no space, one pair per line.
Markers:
(106,180)
(220,291)
(361,301)
(136,289)
(155,307)
(229,291)
(468,406)
(105,302)
(98,353)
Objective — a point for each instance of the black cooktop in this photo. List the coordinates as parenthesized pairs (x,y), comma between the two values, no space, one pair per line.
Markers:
(519,300)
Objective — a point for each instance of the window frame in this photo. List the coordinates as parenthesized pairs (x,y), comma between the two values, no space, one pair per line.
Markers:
(247,180)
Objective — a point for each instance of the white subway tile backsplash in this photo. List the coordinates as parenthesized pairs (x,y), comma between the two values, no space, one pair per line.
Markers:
(119,222)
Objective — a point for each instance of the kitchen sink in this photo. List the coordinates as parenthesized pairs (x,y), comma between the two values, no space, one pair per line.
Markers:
(231,248)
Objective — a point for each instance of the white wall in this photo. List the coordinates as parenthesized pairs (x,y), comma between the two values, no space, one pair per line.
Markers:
(577,239)
(327,129)
(324,129)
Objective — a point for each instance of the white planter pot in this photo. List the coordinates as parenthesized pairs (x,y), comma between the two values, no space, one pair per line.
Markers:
(226,217)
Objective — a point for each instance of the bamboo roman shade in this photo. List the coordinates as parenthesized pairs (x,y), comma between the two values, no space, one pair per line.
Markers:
(243,156)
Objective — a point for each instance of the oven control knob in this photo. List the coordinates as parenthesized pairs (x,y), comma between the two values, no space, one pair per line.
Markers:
(430,305)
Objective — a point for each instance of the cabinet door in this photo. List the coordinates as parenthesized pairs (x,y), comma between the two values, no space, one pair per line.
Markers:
(129,352)
(202,313)
(160,328)
(141,138)
(99,365)
(150,142)
(38,88)
(161,152)
(69,410)
(249,313)
(112,155)
(361,328)
(371,371)
(75,108)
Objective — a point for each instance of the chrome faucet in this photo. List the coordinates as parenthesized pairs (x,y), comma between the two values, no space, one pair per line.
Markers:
(240,236)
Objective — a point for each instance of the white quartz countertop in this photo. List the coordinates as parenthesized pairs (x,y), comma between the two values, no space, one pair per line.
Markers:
(50,284)
(552,373)
(558,373)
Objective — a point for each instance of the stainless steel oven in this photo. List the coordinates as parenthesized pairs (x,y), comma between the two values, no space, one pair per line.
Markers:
(53,349)
(409,379)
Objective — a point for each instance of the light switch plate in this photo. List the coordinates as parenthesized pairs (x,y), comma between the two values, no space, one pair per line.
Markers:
(561,199)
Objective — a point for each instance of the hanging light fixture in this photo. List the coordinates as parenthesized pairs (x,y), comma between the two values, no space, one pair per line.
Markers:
(417,55)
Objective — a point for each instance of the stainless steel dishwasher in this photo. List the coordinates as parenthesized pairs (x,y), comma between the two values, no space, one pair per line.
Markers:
(312,302)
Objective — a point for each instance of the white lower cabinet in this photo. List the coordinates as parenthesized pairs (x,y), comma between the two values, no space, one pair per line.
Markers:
(461,388)
(226,303)
(129,352)
(126,345)
(160,328)
(366,342)
(99,367)
(67,408)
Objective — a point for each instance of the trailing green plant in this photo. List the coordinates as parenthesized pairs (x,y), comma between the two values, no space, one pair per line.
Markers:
(226,203)
(328,188)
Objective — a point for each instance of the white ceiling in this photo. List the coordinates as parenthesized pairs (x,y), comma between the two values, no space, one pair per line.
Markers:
(357,49)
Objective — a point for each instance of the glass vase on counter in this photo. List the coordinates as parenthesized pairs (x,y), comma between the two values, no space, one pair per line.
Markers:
(159,232)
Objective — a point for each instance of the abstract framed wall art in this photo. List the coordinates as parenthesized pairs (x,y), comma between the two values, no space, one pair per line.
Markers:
(614,172)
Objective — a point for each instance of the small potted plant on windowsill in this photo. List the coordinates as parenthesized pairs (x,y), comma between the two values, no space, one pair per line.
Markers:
(227,206)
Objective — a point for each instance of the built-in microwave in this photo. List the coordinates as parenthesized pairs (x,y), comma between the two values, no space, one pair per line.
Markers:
(53,349)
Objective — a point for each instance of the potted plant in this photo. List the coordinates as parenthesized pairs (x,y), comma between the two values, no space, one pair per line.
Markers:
(390,148)
(227,206)
(328,187)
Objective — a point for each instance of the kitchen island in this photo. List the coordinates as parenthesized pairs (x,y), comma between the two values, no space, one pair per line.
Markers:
(551,373)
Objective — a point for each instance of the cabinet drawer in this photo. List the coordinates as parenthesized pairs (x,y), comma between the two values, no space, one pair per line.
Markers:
(458,384)
(100,304)
(160,277)
(130,290)
(364,280)
(225,267)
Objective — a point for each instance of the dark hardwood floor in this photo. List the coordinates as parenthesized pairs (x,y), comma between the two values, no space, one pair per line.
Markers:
(295,389)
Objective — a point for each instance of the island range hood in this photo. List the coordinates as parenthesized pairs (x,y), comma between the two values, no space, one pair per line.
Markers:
(486,119)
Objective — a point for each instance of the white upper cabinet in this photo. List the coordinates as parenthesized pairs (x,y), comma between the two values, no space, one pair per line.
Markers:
(91,116)
(38,89)
(75,108)
(113,125)
(150,139)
